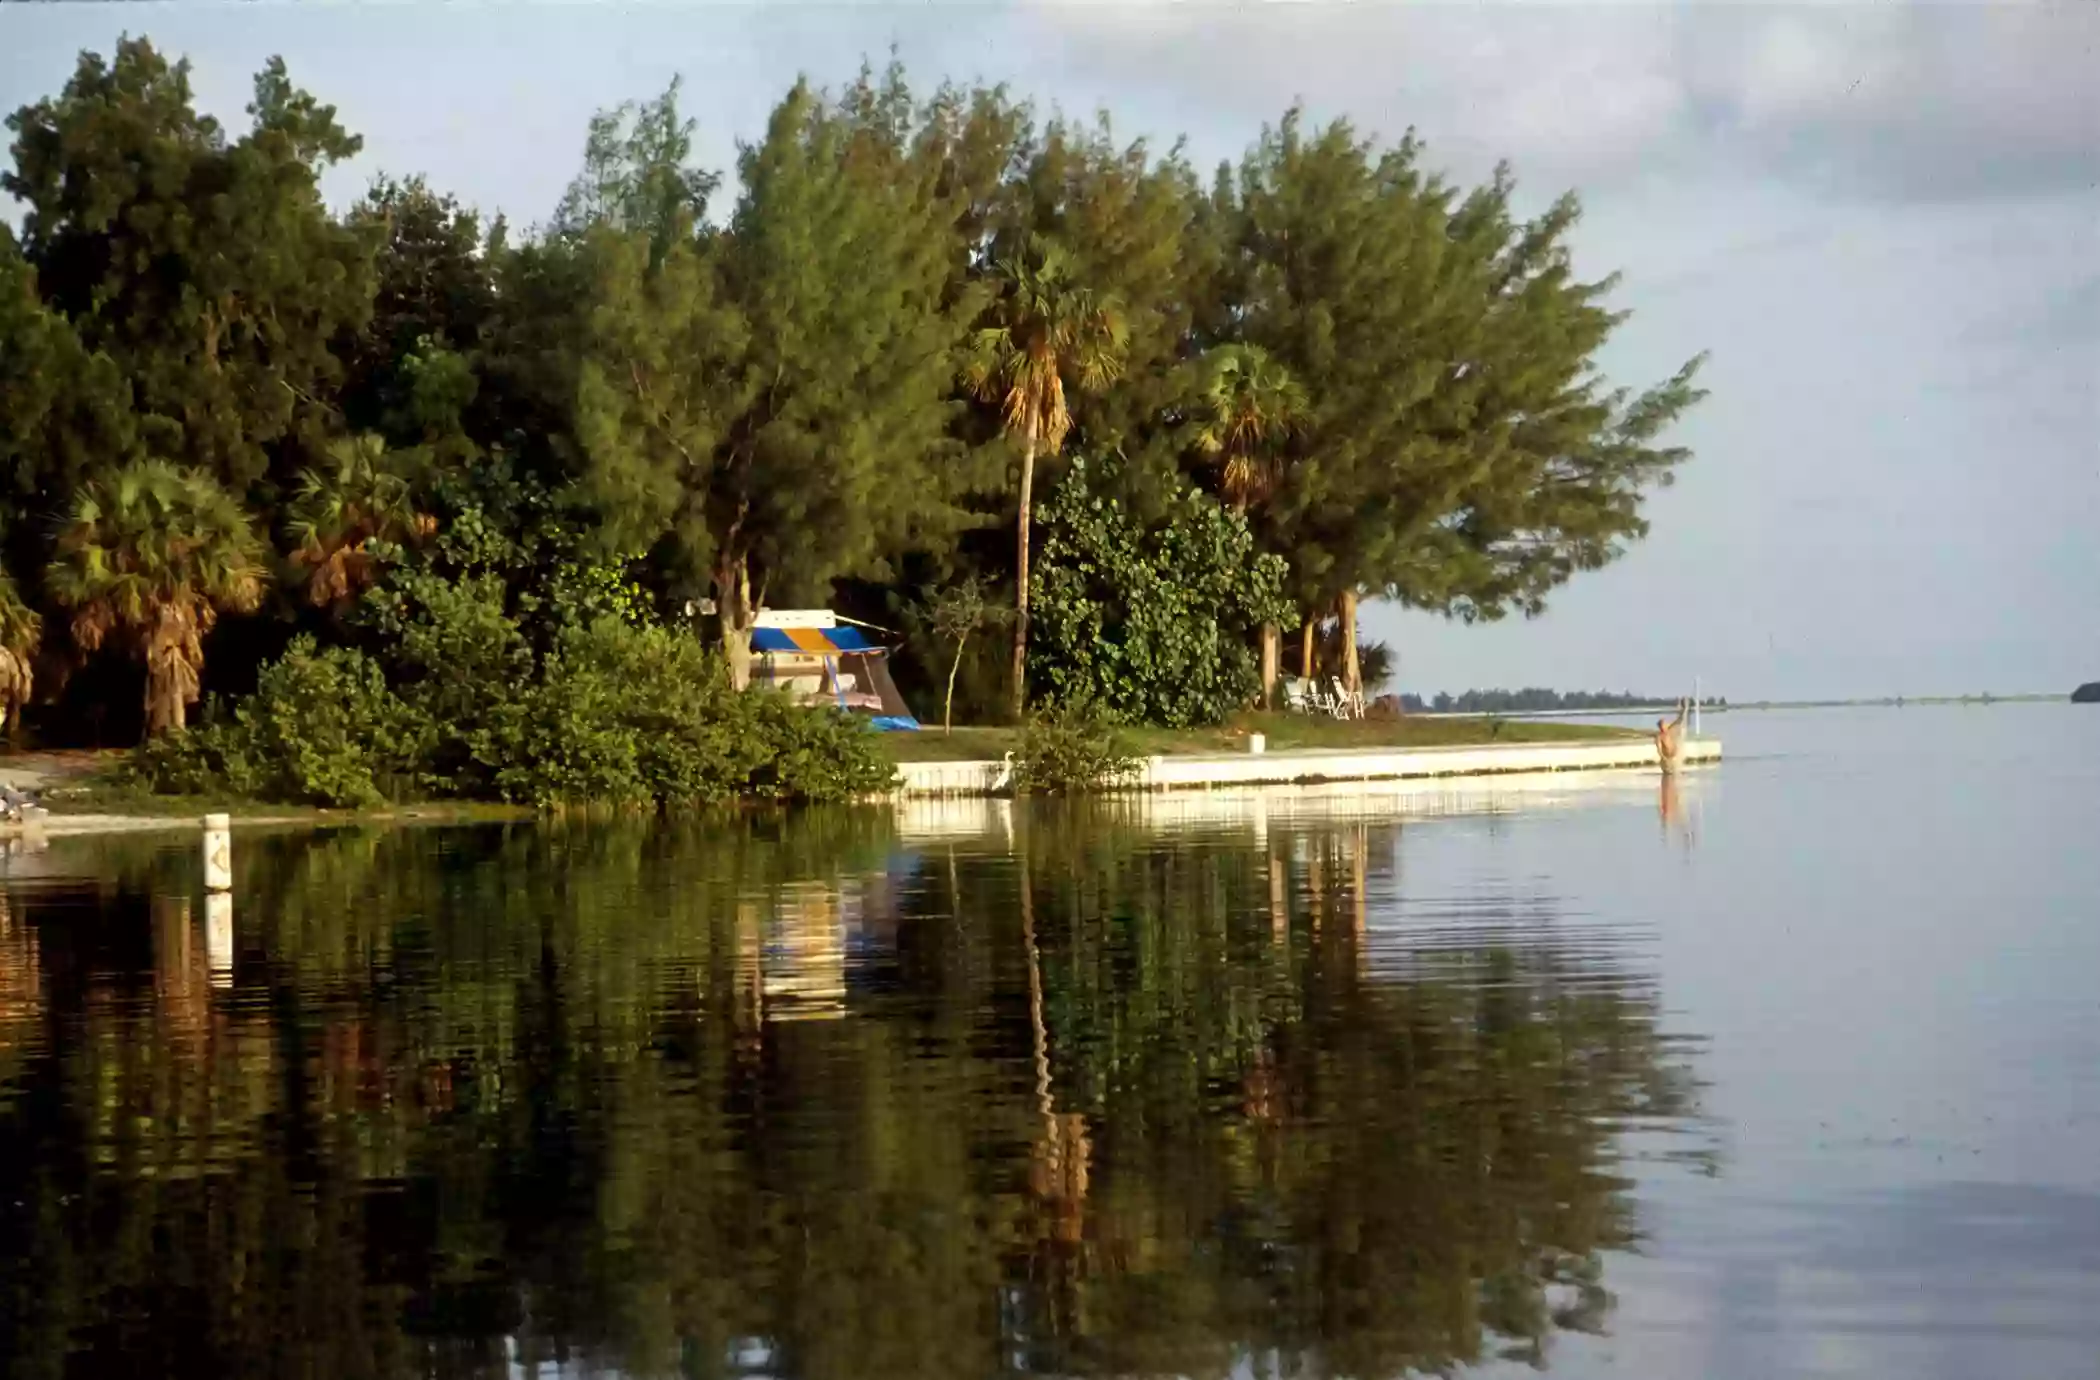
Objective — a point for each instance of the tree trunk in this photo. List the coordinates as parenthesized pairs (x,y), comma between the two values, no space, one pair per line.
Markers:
(1306,634)
(174,656)
(165,709)
(948,704)
(1271,655)
(737,614)
(1021,534)
(1352,667)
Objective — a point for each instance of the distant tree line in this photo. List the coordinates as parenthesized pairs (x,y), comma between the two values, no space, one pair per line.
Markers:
(231,416)
(1536,700)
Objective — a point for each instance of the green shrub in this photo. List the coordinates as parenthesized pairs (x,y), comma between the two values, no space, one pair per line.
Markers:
(1070,752)
(209,758)
(640,715)
(623,715)
(816,754)
(1147,622)
(617,713)
(459,661)
(321,729)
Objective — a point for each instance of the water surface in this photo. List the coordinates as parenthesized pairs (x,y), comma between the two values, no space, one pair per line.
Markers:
(1795,1072)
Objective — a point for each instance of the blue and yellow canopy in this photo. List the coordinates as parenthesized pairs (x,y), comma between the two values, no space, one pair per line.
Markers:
(811,641)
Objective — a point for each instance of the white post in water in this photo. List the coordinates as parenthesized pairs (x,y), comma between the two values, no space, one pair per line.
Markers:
(1695,706)
(218,936)
(218,853)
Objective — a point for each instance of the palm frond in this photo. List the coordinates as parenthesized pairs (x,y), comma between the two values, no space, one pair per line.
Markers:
(1045,329)
(337,509)
(150,556)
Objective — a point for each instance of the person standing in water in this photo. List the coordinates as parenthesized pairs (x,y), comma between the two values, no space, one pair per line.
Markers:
(1669,740)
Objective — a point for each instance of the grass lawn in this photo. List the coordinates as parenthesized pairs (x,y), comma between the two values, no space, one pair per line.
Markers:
(1286,733)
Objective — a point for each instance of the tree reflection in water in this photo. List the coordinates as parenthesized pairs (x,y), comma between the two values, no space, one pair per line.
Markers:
(1085,1099)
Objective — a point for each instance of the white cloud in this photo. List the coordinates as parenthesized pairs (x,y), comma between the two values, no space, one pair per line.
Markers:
(1882,101)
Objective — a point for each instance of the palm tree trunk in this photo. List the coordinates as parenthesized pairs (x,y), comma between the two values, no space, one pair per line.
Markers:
(1352,666)
(1306,635)
(1271,654)
(165,710)
(1021,533)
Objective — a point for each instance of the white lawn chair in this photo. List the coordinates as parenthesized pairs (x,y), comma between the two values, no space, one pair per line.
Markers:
(1297,696)
(1348,704)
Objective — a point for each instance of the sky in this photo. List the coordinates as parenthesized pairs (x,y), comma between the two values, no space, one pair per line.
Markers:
(1881,219)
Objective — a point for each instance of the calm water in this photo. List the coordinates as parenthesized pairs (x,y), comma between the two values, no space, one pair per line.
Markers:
(1795,1074)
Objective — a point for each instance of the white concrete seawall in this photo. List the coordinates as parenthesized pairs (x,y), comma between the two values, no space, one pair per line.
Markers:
(1210,770)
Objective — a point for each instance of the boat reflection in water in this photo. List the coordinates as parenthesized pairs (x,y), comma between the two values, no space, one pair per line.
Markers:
(971,1088)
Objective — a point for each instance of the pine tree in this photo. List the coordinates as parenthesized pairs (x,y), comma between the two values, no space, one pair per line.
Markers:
(1458,454)
(772,402)
(638,175)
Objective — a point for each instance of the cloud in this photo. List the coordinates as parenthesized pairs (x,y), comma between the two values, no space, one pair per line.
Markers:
(1906,103)
(1868,101)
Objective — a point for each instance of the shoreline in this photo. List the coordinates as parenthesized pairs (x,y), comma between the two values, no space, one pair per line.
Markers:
(981,778)
(1316,766)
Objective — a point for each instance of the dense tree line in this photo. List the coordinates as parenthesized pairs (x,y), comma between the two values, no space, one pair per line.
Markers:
(231,416)
(1537,700)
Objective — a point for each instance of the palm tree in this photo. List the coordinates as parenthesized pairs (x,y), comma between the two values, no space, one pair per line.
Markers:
(1045,328)
(340,509)
(1246,404)
(151,556)
(20,631)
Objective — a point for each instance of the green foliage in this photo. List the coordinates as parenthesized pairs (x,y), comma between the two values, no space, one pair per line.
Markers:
(638,716)
(1148,623)
(1245,406)
(342,514)
(321,729)
(617,715)
(1041,329)
(811,754)
(1129,228)
(64,410)
(953,614)
(461,662)
(207,268)
(623,716)
(637,176)
(1071,751)
(1458,453)
(203,759)
(815,398)
(1045,328)
(769,406)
